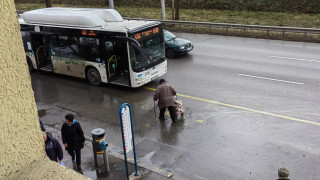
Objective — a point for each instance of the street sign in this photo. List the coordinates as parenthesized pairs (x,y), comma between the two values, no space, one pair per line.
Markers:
(126,128)
(127,135)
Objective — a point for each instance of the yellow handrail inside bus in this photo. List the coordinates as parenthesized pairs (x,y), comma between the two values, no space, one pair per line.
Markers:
(38,52)
(109,63)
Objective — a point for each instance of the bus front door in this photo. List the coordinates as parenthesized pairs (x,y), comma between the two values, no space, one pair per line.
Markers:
(41,51)
(117,63)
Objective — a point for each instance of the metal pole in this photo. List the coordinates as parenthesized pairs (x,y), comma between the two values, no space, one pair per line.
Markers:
(163,10)
(124,147)
(94,154)
(106,161)
(111,4)
(134,146)
(154,110)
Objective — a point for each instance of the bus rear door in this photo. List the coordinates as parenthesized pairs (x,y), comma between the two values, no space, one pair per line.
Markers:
(41,48)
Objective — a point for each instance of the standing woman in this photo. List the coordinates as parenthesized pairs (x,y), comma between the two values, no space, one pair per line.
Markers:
(73,138)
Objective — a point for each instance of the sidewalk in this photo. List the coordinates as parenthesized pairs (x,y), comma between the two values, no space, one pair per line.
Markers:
(116,164)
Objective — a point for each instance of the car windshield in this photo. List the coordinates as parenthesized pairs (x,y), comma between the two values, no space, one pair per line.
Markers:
(168,35)
(150,53)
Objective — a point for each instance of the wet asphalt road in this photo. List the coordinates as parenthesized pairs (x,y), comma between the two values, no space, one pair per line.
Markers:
(239,139)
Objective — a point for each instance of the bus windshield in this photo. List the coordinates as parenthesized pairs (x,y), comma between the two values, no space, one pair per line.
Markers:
(151,53)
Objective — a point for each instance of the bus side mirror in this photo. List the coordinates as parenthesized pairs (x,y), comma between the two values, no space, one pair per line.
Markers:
(137,50)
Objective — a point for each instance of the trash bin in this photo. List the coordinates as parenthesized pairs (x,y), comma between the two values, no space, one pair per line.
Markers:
(98,135)
(99,145)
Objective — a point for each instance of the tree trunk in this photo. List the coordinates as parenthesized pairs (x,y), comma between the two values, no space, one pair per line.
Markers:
(177,8)
(48,3)
(172,7)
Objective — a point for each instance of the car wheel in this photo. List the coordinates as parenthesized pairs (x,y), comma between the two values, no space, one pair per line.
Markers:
(93,76)
(30,66)
(170,53)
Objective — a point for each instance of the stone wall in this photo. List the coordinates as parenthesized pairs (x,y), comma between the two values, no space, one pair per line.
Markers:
(21,144)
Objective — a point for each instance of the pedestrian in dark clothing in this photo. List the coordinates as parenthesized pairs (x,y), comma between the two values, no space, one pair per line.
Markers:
(165,94)
(283,173)
(52,147)
(73,138)
(41,125)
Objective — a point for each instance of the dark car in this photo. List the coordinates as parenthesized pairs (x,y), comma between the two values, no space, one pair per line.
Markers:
(176,46)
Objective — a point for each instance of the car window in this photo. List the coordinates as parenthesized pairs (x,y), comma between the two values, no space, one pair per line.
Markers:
(168,35)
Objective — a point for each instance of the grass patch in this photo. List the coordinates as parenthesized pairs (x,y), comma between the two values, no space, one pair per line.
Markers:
(218,16)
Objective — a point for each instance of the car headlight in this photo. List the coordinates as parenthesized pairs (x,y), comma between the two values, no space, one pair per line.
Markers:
(182,47)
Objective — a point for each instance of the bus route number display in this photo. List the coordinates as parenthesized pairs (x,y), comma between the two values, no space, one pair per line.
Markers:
(146,33)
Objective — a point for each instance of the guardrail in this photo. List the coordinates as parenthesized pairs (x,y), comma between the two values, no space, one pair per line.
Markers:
(236,26)
(227,26)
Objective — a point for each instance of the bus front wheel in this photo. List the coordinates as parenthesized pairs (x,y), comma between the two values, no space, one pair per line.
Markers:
(93,76)
(170,53)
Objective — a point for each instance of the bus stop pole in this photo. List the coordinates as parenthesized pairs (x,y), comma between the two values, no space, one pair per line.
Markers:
(111,4)
(134,146)
(163,10)
(124,146)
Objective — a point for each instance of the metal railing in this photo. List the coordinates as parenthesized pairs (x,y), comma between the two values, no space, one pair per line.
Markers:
(236,26)
(228,26)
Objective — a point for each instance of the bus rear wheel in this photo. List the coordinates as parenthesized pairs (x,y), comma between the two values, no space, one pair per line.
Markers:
(93,76)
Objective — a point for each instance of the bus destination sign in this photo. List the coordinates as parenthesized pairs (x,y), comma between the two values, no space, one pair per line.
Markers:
(146,33)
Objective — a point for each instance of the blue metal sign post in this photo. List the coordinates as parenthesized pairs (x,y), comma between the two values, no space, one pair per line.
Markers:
(127,135)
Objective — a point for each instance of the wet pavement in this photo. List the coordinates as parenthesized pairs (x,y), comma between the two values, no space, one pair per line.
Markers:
(117,168)
(231,130)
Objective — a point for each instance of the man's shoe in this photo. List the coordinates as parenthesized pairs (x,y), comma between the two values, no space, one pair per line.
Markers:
(79,168)
(162,119)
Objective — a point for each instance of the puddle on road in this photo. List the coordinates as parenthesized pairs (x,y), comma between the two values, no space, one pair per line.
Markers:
(96,174)
(42,112)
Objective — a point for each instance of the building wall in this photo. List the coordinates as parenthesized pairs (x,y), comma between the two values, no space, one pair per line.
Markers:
(22,154)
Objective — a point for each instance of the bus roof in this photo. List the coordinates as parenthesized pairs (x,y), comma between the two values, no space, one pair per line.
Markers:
(93,18)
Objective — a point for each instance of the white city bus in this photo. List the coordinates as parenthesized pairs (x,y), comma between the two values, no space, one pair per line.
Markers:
(96,44)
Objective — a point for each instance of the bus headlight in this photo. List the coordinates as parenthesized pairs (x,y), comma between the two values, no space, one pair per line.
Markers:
(182,47)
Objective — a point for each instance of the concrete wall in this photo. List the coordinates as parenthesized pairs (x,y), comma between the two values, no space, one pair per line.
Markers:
(22,154)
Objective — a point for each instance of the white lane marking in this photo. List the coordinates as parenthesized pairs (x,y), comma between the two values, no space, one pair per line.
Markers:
(292,82)
(298,59)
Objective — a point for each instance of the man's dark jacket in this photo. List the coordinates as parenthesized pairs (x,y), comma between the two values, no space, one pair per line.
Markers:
(53,148)
(72,135)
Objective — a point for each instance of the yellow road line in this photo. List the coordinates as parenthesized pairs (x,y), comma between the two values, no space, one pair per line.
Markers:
(245,109)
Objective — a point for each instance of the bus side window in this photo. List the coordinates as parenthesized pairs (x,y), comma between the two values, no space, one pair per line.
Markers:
(109,49)
(68,47)
(90,49)
(53,45)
